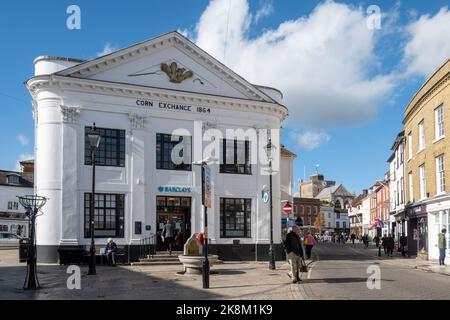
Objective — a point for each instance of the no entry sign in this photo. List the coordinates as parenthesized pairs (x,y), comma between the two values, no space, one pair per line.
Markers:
(287,208)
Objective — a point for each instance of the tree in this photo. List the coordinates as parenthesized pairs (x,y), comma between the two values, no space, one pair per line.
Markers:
(319,222)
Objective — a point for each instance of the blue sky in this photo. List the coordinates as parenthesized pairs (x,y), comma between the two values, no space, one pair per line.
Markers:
(302,47)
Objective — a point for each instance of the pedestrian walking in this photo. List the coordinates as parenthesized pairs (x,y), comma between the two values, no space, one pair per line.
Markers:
(353,237)
(365,240)
(384,242)
(294,250)
(403,243)
(442,245)
(389,245)
(309,244)
(376,239)
(167,233)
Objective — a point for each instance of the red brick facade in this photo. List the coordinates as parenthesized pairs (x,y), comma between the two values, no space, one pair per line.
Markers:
(308,209)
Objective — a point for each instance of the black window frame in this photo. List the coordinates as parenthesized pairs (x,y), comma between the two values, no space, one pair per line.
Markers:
(234,168)
(119,216)
(247,218)
(112,148)
(164,144)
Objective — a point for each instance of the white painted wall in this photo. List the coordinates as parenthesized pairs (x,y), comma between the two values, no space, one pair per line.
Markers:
(63,177)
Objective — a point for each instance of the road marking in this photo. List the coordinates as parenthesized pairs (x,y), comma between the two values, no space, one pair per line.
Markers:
(312,266)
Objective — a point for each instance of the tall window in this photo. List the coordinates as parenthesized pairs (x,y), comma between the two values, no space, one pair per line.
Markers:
(402,190)
(402,152)
(421,135)
(235,156)
(440,175)
(422,179)
(411,190)
(173,152)
(337,225)
(111,151)
(439,120)
(235,218)
(108,215)
(409,145)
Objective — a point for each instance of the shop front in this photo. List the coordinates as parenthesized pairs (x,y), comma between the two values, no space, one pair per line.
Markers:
(439,218)
(177,212)
(417,225)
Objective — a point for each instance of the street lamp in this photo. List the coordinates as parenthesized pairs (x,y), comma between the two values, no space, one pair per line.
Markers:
(206,181)
(269,151)
(94,141)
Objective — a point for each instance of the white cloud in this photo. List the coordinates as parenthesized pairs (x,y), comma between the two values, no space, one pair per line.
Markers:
(107,49)
(265,11)
(23,156)
(429,43)
(23,140)
(309,140)
(324,62)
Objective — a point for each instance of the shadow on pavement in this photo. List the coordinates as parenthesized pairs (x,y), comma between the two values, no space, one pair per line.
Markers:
(339,280)
(109,283)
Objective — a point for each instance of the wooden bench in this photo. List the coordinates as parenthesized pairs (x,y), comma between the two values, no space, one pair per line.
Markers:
(121,254)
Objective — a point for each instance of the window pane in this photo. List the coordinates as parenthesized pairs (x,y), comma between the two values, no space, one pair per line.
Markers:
(108,210)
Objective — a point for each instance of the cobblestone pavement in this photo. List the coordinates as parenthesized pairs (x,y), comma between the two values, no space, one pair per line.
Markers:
(340,272)
(337,272)
(246,281)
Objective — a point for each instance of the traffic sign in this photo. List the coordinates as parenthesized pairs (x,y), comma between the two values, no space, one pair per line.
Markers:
(287,208)
(265,197)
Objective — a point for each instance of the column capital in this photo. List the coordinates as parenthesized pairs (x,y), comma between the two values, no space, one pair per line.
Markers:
(137,121)
(69,114)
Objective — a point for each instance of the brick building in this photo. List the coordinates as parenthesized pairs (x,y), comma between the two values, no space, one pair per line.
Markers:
(308,209)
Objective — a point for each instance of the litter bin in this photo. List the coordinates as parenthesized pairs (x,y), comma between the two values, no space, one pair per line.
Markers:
(23,249)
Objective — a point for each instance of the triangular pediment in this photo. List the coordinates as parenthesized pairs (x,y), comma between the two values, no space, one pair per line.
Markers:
(342,191)
(170,62)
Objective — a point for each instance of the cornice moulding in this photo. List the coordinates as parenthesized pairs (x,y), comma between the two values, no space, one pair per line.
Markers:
(45,82)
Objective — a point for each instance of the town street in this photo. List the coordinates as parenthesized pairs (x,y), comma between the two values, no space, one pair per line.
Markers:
(340,272)
(337,272)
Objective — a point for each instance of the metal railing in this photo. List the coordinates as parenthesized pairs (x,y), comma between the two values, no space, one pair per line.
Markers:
(147,247)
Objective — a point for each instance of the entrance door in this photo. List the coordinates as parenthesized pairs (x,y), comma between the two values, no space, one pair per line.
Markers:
(177,211)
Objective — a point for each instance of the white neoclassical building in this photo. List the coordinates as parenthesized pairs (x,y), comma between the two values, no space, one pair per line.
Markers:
(145,100)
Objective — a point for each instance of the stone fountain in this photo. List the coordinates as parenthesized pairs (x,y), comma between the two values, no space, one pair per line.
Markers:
(192,258)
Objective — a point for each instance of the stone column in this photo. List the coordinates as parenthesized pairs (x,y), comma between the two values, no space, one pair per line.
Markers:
(71,148)
(138,182)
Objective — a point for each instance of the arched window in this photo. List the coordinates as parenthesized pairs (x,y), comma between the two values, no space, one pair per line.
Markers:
(337,204)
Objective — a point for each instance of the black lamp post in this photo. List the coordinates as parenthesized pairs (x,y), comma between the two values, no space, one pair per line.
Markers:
(94,141)
(204,168)
(269,150)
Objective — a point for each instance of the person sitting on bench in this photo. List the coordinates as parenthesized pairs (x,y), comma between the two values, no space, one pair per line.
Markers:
(110,251)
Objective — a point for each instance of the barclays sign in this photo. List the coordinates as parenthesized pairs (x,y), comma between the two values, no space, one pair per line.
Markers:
(174,189)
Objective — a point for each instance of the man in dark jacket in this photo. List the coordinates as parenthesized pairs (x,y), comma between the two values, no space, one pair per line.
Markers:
(403,243)
(110,251)
(390,243)
(294,250)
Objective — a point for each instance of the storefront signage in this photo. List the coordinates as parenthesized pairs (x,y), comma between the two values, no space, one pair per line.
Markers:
(174,189)
(167,106)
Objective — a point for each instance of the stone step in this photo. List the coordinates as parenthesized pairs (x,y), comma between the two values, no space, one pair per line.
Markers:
(156,263)
(159,259)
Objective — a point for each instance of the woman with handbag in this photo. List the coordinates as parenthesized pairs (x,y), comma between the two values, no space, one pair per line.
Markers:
(309,244)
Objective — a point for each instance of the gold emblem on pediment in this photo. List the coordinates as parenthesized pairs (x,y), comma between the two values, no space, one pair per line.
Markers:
(175,74)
